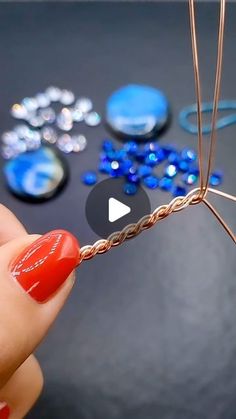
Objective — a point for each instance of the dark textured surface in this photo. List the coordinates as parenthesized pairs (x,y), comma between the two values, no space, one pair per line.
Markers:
(150,329)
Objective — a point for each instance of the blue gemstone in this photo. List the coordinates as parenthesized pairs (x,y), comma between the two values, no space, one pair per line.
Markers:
(216,178)
(107,145)
(171,170)
(188,154)
(179,191)
(131,147)
(166,183)
(36,175)
(183,166)
(167,150)
(140,155)
(160,155)
(89,178)
(137,111)
(104,167)
(151,182)
(127,166)
(150,147)
(151,159)
(144,170)
(116,169)
(130,188)
(116,155)
(190,178)
(174,158)
(133,178)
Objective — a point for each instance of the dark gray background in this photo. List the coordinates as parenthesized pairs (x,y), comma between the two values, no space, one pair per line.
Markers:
(149,331)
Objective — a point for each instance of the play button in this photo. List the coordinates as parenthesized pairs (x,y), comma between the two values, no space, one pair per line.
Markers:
(116,210)
(109,209)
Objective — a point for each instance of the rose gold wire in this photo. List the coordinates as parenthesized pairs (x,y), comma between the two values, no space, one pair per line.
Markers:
(196,195)
(197,90)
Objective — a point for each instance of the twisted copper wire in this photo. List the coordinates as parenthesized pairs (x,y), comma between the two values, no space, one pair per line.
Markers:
(196,195)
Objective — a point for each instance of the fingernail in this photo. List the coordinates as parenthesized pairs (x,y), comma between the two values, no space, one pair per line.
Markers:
(43,267)
(4,411)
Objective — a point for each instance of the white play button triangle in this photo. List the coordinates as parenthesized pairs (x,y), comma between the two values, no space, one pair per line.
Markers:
(117,210)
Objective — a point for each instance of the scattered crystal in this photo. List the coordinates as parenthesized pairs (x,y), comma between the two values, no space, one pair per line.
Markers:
(64,120)
(65,143)
(8,152)
(144,170)
(151,159)
(19,111)
(131,147)
(216,178)
(21,130)
(190,178)
(36,121)
(104,167)
(151,181)
(79,143)
(32,140)
(171,170)
(92,119)
(130,189)
(67,97)
(107,145)
(49,134)
(188,154)
(53,94)
(179,191)
(43,100)
(89,178)
(30,104)
(10,138)
(48,115)
(133,178)
(84,104)
(77,115)
(166,184)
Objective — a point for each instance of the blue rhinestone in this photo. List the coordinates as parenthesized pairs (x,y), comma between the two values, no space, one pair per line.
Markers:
(140,155)
(133,178)
(167,150)
(144,170)
(216,178)
(151,159)
(183,166)
(117,155)
(116,169)
(166,183)
(171,170)
(107,145)
(160,155)
(89,178)
(179,191)
(130,189)
(127,166)
(150,147)
(191,177)
(131,147)
(151,182)
(188,154)
(173,158)
(103,157)
(105,167)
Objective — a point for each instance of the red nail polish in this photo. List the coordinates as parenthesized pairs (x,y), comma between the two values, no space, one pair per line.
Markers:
(43,267)
(5,412)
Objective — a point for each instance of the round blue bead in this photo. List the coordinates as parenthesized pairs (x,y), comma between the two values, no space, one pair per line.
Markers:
(166,183)
(150,147)
(140,155)
(105,167)
(137,111)
(171,170)
(151,159)
(183,166)
(179,191)
(127,166)
(130,189)
(188,154)
(133,178)
(144,170)
(174,158)
(216,178)
(131,147)
(151,181)
(89,178)
(107,145)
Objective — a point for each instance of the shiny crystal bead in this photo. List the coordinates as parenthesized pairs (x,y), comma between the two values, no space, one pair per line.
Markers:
(21,130)
(32,140)
(36,121)
(64,120)
(19,111)
(89,178)
(92,119)
(84,104)
(8,152)
(48,115)
(65,143)
(79,143)
(49,134)
(30,104)
(67,97)
(10,138)
(43,100)
(77,115)
(53,93)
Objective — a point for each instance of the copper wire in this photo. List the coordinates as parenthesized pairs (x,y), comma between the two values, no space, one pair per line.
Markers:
(196,195)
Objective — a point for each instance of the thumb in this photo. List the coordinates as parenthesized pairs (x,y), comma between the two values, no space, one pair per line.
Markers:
(36,276)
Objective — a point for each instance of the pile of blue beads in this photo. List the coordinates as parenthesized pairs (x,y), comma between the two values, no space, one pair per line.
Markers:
(150,165)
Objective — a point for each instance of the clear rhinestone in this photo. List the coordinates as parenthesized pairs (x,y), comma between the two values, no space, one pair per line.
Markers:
(21,130)
(92,119)
(77,115)
(30,104)
(42,100)
(19,111)
(84,104)
(67,97)
(48,115)
(8,152)
(79,143)
(36,121)
(65,143)
(10,138)
(32,140)
(53,93)
(64,120)
(49,134)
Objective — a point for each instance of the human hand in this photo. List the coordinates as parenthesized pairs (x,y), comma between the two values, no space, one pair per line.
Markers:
(36,277)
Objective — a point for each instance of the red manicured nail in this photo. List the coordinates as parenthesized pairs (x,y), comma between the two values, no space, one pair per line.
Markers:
(4,412)
(43,267)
